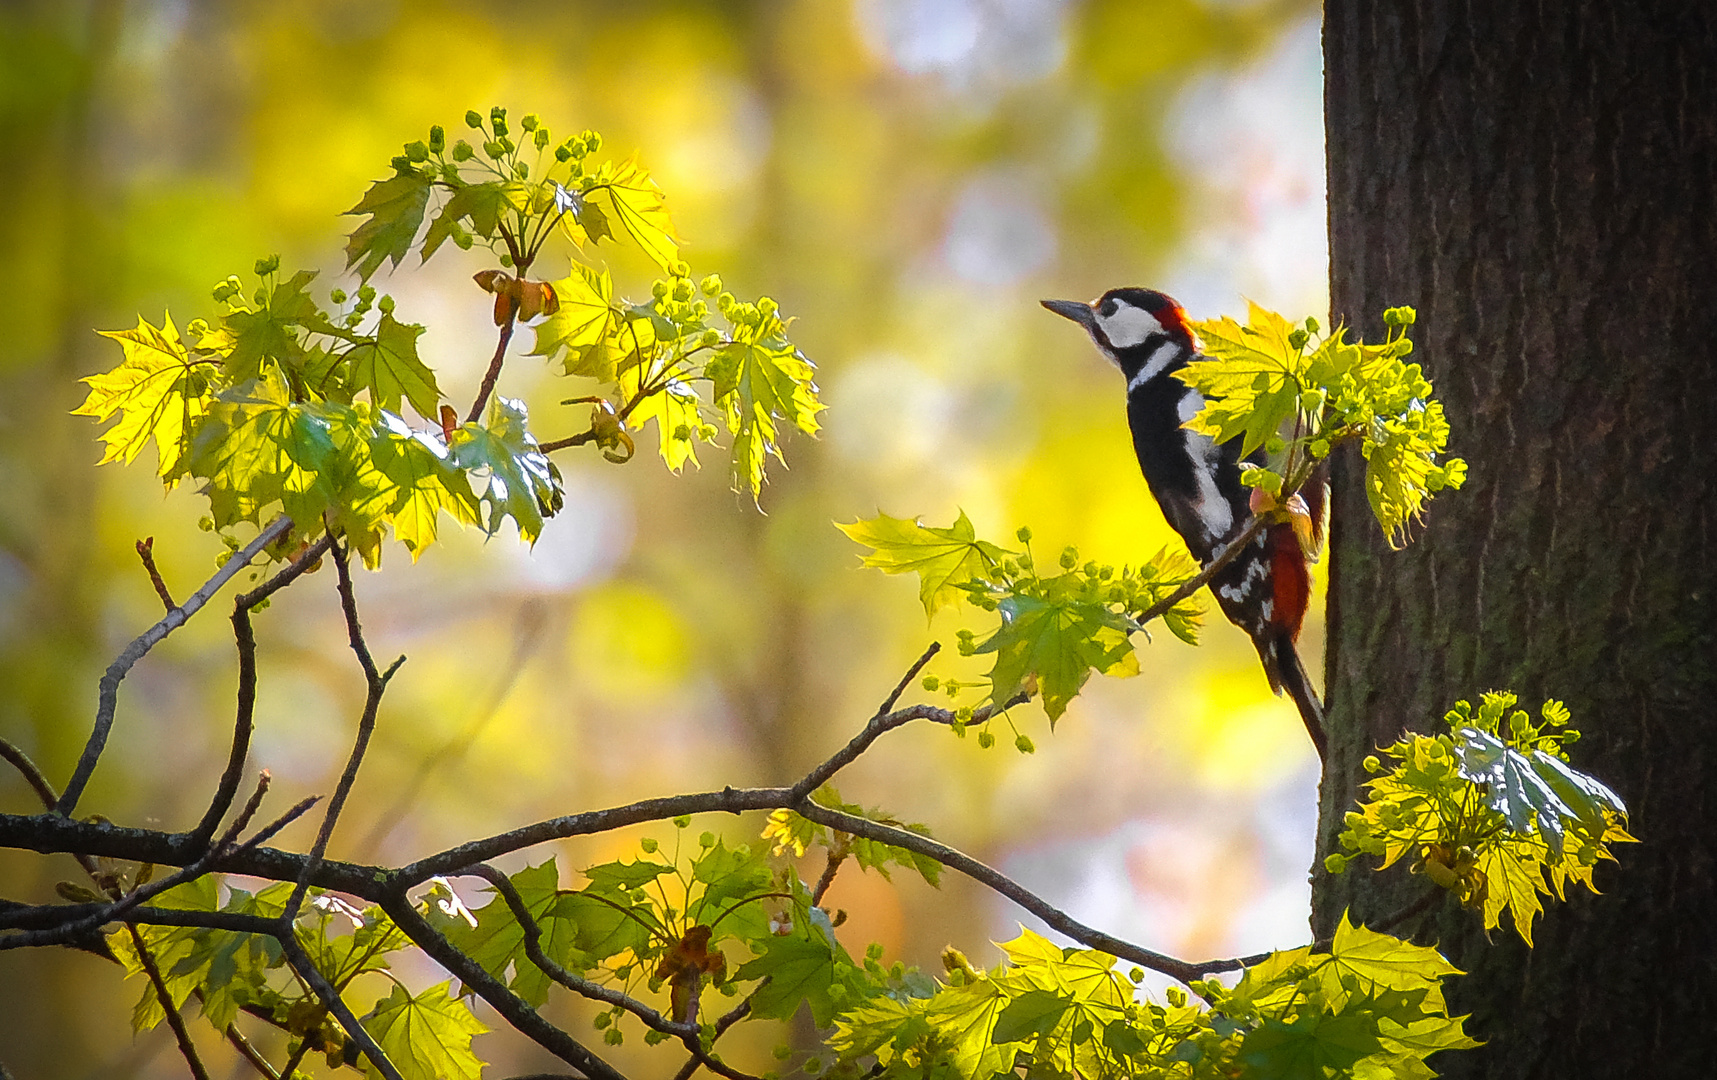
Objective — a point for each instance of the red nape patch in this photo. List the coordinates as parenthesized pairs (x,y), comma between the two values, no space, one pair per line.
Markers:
(1173,318)
(1289,578)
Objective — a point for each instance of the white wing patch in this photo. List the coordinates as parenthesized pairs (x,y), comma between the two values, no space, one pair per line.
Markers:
(1190,404)
(1129,326)
(1214,513)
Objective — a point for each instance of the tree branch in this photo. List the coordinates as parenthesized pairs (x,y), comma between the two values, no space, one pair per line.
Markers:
(511,1007)
(146,552)
(377,682)
(1225,555)
(165,998)
(245,637)
(494,373)
(108,695)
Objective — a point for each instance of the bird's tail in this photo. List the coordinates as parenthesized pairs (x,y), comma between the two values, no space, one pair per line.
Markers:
(1282,666)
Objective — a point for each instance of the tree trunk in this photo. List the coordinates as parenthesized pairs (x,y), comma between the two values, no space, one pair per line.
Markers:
(1538,181)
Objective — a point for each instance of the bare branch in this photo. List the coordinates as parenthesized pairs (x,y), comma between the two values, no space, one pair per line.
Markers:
(146,552)
(1225,555)
(377,682)
(246,694)
(108,696)
(494,373)
(165,998)
(513,1008)
(39,783)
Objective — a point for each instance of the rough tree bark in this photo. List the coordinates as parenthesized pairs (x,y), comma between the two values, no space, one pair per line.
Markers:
(1538,181)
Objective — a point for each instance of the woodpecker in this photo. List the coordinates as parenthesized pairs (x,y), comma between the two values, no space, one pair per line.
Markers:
(1196,481)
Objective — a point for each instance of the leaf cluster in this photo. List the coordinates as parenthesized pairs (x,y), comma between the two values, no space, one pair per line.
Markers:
(1054,629)
(511,193)
(1268,377)
(426,1034)
(1490,810)
(1372,1006)
(795,833)
(263,407)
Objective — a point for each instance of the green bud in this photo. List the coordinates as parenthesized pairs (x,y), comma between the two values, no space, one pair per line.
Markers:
(1023,534)
(267,266)
(707,432)
(1371,764)
(561,153)
(530,122)
(260,296)
(577,149)
(1320,448)
(1275,444)
(710,285)
(522,171)
(1176,996)
(710,338)
(682,821)
(682,291)
(401,163)
(985,740)
(952,687)
(1297,340)
(417,151)
(493,149)
(206,523)
(649,845)
(366,293)
(659,289)
(593,141)
(1311,324)
(963,714)
(1069,558)
(767,306)
(1025,560)
(1024,745)
(462,151)
(437,139)
(1336,864)
(931,682)
(472,119)
(223,291)
(386,305)
(338,296)
(601,1020)
(613,1036)
(706,840)
(541,139)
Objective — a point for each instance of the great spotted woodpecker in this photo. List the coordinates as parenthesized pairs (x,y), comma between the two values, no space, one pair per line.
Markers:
(1196,480)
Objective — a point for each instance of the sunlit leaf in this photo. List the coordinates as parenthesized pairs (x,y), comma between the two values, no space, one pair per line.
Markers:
(427,1034)
(388,367)
(159,391)
(396,207)
(943,559)
(638,205)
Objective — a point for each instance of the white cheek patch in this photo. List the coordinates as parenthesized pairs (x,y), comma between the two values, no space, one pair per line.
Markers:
(1129,326)
(1164,354)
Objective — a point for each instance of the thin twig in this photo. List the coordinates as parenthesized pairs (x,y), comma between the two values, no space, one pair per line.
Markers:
(1225,555)
(730,1018)
(44,791)
(165,999)
(146,552)
(494,373)
(108,696)
(245,696)
(251,1054)
(376,684)
(331,1000)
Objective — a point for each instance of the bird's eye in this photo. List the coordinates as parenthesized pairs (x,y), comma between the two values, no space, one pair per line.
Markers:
(1109,308)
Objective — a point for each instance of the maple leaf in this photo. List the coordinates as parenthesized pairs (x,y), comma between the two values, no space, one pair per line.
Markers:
(427,1034)
(943,559)
(396,207)
(584,326)
(160,391)
(523,484)
(637,203)
(388,367)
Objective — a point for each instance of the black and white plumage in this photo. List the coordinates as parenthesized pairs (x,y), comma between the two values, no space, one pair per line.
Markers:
(1196,481)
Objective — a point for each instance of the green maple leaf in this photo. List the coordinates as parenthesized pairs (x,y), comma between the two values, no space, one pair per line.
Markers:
(480,204)
(1061,638)
(425,483)
(801,968)
(943,559)
(1251,375)
(160,392)
(584,326)
(1382,961)
(427,1034)
(396,207)
(257,447)
(1031,1014)
(272,331)
(523,484)
(676,409)
(637,203)
(388,367)
(760,379)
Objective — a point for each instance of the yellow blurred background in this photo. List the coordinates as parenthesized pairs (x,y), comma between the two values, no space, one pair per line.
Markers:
(908,178)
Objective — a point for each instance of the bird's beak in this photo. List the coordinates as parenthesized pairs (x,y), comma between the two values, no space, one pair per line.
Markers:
(1073,309)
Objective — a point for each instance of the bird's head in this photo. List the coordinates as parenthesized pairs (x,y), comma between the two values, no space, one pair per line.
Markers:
(1127,321)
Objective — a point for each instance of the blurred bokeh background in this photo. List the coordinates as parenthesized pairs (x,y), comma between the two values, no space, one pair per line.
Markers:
(908,178)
